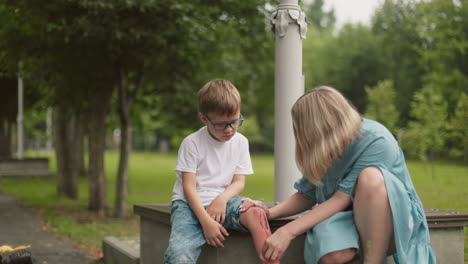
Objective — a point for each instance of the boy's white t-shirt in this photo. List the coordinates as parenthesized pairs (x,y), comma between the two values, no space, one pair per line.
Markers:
(214,163)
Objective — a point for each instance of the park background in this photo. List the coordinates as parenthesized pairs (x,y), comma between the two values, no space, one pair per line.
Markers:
(110,92)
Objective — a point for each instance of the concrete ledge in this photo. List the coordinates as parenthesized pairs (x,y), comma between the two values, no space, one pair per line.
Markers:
(121,250)
(24,168)
(445,219)
(446,231)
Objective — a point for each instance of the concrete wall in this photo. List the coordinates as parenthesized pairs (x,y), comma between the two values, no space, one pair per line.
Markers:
(446,230)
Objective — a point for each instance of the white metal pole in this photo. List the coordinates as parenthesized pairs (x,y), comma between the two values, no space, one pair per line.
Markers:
(19,118)
(290,26)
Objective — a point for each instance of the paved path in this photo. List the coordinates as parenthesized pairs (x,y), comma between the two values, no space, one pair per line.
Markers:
(22,226)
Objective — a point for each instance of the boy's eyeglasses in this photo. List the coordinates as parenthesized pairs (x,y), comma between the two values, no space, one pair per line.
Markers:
(221,126)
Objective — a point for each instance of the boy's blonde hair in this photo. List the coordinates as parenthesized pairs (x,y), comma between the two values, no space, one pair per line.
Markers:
(325,123)
(219,96)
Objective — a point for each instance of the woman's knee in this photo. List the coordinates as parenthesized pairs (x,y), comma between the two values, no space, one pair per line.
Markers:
(338,257)
(370,179)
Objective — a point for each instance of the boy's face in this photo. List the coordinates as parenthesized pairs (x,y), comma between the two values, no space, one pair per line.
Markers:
(221,127)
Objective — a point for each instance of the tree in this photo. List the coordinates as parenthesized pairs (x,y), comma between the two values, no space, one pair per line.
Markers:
(318,17)
(46,37)
(440,27)
(394,25)
(134,47)
(427,132)
(443,27)
(349,62)
(381,105)
(141,41)
(458,134)
(8,109)
(66,129)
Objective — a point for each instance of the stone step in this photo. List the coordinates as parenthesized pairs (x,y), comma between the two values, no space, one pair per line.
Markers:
(121,250)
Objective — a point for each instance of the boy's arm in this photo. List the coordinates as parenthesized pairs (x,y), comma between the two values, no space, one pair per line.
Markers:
(213,231)
(217,208)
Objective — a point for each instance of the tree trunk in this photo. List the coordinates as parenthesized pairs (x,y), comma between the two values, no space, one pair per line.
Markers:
(71,180)
(5,139)
(125,101)
(122,174)
(125,147)
(66,127)
(96,148)
(80,146)
(59,146)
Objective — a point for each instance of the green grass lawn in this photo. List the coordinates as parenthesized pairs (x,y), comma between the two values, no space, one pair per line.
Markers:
(440,185)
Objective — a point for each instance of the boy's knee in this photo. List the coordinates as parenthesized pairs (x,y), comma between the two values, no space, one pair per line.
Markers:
(179,253)
(255,212)
(252,216)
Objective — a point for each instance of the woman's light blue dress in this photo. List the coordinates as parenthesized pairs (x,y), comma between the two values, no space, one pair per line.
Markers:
(374,146)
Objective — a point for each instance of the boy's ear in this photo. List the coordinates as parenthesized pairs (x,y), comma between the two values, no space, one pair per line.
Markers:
(202,118)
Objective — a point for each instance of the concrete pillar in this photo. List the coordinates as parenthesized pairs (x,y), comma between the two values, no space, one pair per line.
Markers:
(20,115)
(290,27)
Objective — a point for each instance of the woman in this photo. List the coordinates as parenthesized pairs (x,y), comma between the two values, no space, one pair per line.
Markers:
(362,200)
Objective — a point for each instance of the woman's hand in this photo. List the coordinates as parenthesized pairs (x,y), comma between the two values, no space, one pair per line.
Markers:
(217,209)
(247,203)
(276,245)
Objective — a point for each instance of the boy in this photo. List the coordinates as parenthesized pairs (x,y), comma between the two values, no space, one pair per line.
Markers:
(211,168)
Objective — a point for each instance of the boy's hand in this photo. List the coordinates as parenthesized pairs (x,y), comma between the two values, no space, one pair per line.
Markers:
(217,209)
(214,233)
(247,203)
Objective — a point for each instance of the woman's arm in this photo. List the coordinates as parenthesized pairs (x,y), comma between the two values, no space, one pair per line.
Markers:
(337,203)
(276,245)
(295,204)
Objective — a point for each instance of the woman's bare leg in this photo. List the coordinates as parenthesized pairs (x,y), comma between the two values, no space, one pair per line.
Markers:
(256,221)
(341,256)
(373,215)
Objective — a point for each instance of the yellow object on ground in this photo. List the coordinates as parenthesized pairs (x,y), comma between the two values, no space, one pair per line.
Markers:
(7,249)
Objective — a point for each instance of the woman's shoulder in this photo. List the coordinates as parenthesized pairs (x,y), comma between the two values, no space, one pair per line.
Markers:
(377,135)
(374,128)
(371,133)
(371,125)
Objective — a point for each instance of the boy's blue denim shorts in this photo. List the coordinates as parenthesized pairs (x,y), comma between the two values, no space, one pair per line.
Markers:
(187,239)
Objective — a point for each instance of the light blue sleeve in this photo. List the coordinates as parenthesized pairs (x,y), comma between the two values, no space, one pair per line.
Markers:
(306,188)
(379,152)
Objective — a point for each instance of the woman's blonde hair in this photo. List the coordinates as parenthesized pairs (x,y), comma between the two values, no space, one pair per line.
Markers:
(219,96)
(325,123)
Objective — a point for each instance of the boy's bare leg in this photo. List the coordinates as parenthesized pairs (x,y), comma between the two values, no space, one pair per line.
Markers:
(255,219)
(373,215)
